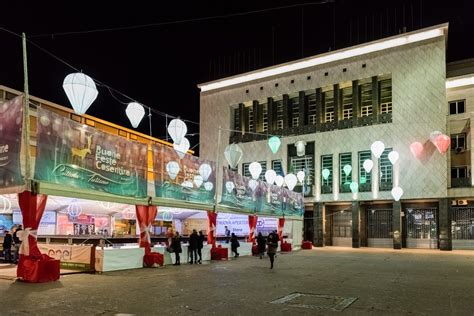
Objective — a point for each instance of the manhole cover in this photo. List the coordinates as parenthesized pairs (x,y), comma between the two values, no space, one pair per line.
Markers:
(316,301)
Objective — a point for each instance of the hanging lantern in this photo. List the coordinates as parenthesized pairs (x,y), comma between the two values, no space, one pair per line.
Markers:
(433,136)
(167,216)
(291,180)
(354,187)
(208,186)
(397,193)
(172,168)
(80,90)
(255,169)
(300,148)
(74,209)
(270,176)
(393,156)
(233,153)
(442,143)
(368,165)
(377,148)
(177,130)
(347,169)
(229,186)
(182,148)
(274,142)
(187,184)
(279,180)
(325,173)
(198,180)
(5,204)
(135,113)
(300,175)
(253,184)
(416,149)
(205,171)
(107,205)
(129,213)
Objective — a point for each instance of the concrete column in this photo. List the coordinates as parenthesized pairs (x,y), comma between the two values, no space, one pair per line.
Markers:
(375,98)
(242,118)
(271,116)
(363,226)
(286,111)
(445,236)
(318,224)
(355,224)
(397,224)
(256,117)
(302,110)
(246,119)
(337,102)
(355,101)
(319,108)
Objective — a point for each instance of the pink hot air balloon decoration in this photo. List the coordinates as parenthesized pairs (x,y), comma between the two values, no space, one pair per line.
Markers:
(416,149)
(442,143)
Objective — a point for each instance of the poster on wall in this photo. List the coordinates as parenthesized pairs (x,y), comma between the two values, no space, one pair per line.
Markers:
(11,121)
(79,156)
(187,179)
(71,257)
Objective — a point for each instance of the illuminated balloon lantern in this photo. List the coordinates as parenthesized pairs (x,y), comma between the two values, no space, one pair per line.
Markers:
(255,169)
(135,113)
(270,176)
(182,148)
(377,148)
(208,186)
(347,169)
(393,156)
(274,143)
(397,193)
(205,171)
(172,168)
(442,143)
(300,148)
(233,153)
(177,130)
(325,173)
(290,180)
(198,180)
(300,175)
(253,184)
(354,187)
(433,135)
(5,204)
(279,180)
(74,209)
(416,149)
(368,165)
(229,186)
(80,90)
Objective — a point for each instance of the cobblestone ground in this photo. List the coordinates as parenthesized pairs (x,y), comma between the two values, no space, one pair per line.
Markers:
(383,282)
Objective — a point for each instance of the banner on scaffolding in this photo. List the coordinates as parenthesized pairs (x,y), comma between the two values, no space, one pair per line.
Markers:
(254,196)
(79,156)
(183,177)
(11,122)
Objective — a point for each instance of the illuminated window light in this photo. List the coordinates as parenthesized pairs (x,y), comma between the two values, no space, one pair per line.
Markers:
(459,82)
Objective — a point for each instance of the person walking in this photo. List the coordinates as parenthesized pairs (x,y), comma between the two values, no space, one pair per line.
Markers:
(261,245)
(272,243)
(176,246)
(193,244)
(17,242)
(200,245)
(227,234)
(234,244)
(7,246)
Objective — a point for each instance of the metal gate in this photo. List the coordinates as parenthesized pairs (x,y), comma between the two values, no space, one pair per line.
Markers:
(341,228)
(462,227)
(379,228)
(421,227)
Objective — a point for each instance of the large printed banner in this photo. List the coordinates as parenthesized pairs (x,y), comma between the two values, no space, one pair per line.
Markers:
(71,257)
(186,179)
(259,197)
(11,122)
(78,156)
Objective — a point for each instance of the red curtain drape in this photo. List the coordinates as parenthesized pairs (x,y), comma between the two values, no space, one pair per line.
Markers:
(211,228)
(34,266)
(281,223)
(145,216)
(252,227)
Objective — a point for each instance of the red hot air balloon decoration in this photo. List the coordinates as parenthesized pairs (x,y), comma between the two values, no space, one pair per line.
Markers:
(442,143)
(416,149)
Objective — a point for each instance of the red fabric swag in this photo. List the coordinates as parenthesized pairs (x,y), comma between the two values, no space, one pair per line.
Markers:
(281,223)
(252,227)
(145,216)
(211,230)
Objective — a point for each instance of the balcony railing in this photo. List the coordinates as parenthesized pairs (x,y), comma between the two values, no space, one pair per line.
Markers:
(460,182)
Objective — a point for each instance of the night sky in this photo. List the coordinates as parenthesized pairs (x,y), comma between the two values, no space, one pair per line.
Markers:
(160,65)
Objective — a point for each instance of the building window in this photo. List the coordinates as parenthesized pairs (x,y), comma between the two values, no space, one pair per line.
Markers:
(295,111)
(385,171)
(346,95)
(345,173)
(305,164)
(459,172)
(280,114)
(385,96)
(246,171)
(250,118)
(457,107)
(311,101)
(365,99)
(277,166)
(237,119)
(326,183)
(458,142)
(365,178)
(328,97)
(265,117)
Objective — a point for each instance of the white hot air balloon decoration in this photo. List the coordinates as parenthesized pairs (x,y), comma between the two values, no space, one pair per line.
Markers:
(270,176)
(80,90)
(229,186)
(233,153)
(291,180)
(393,156)
(377,148)
(177,130)
(135,113)
(300,175)
(198,180)
(279,180)
(172,168)
(255,169)
(205,171)
(397,193)
(368,165)
(208,186)
(182,148)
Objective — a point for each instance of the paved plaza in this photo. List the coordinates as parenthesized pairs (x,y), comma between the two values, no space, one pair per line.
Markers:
(320,281)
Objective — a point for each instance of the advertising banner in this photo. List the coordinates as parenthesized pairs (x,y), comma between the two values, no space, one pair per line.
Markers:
(79,156)
(11,122)
(186,179)
(71,257)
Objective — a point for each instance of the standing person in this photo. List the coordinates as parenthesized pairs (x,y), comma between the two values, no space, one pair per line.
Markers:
(272,243)
(193,244)
(7,246)
(17,241)
(200,245)
(227,234)
(176,245)
(261,245)
(234,244)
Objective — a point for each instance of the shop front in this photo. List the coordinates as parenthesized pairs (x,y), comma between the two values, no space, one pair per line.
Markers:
(338,221)
(462,227)
(421,227)
(379,227)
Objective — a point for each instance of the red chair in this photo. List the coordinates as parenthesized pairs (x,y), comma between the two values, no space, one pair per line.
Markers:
(307,245)
(285,247)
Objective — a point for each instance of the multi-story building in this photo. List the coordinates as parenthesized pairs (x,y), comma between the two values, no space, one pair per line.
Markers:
(393,90)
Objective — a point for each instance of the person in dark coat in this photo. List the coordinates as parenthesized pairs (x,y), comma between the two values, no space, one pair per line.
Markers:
(176,246)
(261,245)
(193,245)
(200,246)
(7,246)
(272,243)
(227,234)
(17,241)
(234,244)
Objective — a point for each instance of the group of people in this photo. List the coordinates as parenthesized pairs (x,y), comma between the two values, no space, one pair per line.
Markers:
(196,243)
(270,244)
(12,241)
